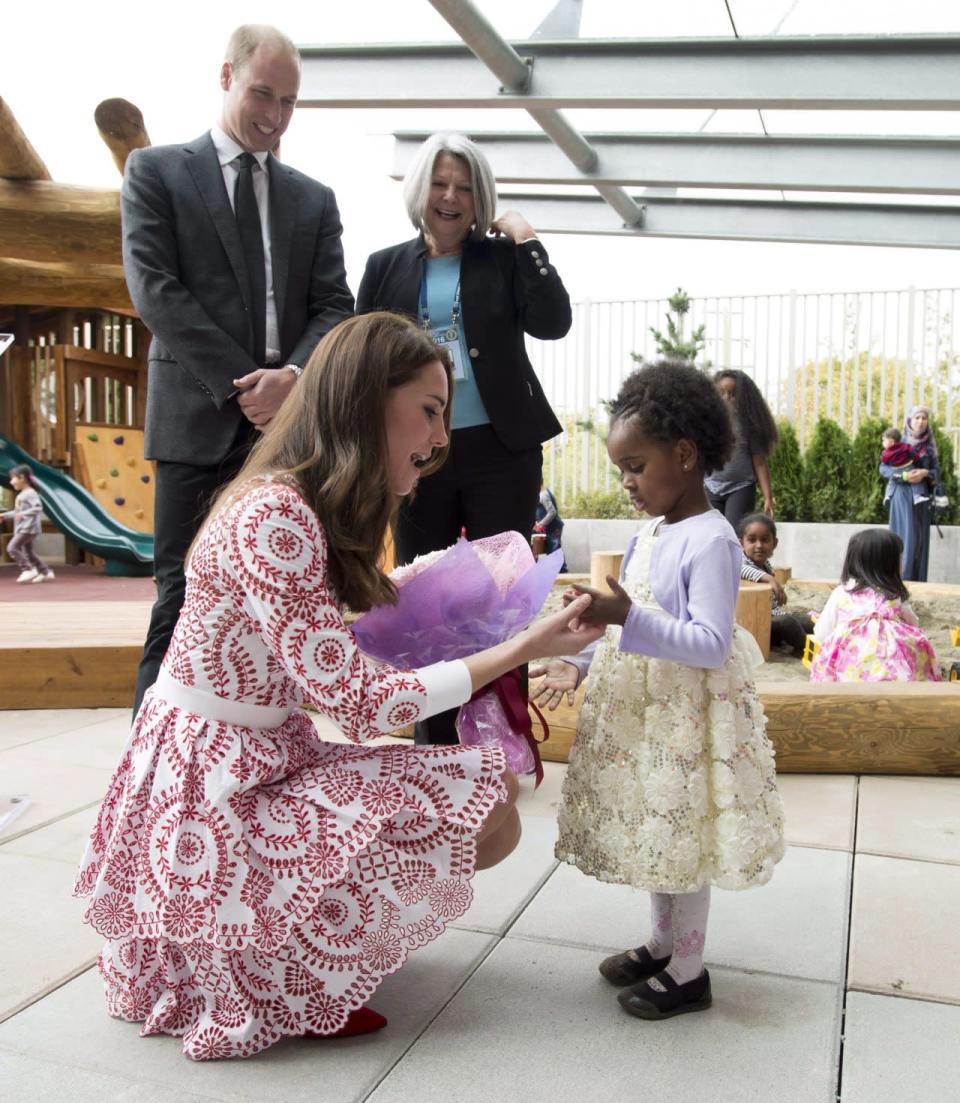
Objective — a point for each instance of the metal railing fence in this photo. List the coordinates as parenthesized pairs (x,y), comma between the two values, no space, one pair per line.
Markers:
(845,355)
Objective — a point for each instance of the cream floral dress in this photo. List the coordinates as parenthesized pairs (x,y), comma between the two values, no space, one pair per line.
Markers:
(671,781)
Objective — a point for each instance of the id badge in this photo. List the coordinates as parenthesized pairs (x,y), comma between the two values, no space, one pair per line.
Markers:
(452,345)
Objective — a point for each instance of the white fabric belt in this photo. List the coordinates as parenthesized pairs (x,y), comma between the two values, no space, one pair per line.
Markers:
(212,707)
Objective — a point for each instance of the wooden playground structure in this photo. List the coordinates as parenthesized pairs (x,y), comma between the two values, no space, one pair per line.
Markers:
(74,380)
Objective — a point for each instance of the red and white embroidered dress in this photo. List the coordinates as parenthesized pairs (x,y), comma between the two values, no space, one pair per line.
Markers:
(251,880)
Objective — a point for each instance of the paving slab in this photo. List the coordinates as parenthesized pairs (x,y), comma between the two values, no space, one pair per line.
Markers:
(501,893)
(819,809)
(795,925)
(55,789)
(44,939)
(18,726)
(72,1027)
(545,800)
(536,1023)
(62,841)
(903,928)
(47,1081)
(900,1051)
(910,817)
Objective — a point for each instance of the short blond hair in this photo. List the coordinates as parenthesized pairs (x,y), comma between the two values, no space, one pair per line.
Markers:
(416,184)
(248,37)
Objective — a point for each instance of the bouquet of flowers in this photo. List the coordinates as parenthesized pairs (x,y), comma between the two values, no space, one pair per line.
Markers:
(456,602)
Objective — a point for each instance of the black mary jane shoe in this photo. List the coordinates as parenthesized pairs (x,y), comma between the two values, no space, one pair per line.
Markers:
(676,999)
(632,966)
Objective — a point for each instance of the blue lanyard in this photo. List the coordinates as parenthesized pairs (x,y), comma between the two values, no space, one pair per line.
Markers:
(425,314)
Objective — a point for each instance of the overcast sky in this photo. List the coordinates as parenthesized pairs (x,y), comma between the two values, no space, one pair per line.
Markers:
(60,59)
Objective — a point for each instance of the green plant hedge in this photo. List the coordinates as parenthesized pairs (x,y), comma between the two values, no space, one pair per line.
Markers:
(786,476)
(836,479)
(866,487)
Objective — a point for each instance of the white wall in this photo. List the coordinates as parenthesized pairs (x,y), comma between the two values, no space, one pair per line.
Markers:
(810,550)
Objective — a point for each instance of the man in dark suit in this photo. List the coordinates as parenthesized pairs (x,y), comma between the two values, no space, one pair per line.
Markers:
(235,264)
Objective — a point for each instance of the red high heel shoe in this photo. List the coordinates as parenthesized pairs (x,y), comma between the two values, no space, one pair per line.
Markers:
(362,1021)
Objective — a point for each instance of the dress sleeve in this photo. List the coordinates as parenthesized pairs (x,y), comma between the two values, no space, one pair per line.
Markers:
(277,556)
(827,621)
(703,639)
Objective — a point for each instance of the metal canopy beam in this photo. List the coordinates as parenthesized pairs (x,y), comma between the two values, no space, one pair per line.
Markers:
(907,165)
(506,64)
(902,72)
(933,227)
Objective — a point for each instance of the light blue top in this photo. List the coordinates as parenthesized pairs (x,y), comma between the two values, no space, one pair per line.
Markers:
(442,275)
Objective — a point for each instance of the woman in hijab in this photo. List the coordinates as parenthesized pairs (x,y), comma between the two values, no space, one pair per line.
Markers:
(910,494)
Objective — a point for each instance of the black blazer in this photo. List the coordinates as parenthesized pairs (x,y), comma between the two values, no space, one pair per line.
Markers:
(506,290)
(186,273)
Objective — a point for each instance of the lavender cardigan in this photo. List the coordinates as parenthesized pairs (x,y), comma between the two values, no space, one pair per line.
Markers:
(695,577)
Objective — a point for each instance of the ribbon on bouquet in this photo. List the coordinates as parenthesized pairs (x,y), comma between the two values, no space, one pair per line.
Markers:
(509,690)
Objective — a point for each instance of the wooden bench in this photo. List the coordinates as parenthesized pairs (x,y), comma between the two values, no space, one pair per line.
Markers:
(875,728)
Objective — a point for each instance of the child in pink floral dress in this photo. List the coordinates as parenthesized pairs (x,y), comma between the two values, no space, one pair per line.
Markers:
(867,632)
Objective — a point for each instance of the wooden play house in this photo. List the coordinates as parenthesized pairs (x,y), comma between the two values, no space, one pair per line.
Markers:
(73,384)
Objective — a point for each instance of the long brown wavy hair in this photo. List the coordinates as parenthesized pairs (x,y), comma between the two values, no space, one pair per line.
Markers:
(329,440)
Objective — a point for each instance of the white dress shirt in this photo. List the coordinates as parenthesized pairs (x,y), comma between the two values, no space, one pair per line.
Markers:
(227,152)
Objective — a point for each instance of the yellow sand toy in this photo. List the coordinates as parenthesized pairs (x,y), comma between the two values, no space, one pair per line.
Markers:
(955,637)
(810,648)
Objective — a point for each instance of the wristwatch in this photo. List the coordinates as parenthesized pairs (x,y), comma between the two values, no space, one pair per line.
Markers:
(295,368)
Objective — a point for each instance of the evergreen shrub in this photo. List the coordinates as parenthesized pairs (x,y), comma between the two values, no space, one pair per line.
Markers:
(866,484)
(827,468)
(786,476)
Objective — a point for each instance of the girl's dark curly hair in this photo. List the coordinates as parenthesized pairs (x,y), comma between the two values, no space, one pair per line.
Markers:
(672,400)
(754,419)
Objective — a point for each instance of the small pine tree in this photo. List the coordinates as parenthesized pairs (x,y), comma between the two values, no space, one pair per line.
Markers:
(948,477)
(675,346)
(786,475)
(827,468)
(866,484)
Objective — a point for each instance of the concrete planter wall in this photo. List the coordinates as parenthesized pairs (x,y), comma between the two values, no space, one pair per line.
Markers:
(811,550)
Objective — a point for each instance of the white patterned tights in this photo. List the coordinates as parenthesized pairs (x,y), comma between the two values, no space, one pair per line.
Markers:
(679,928)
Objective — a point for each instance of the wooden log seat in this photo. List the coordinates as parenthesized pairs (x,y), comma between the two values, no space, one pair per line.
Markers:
(876,728)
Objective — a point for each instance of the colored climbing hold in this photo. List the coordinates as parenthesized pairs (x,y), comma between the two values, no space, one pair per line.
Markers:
(119,501)
(118,440)
(144,478)
(93,437)
(131,461)
(138,513)
(114,472)
(102,484)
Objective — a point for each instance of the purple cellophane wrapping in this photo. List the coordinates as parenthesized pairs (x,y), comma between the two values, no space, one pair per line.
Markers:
(457,602)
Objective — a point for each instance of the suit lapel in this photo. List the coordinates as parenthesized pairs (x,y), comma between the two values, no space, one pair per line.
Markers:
(284,204)
(208,176)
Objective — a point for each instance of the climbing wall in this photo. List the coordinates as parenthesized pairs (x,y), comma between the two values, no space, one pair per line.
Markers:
(110,464)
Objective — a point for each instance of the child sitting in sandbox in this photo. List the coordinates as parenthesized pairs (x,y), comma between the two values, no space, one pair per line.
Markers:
(758,539)
(867,631)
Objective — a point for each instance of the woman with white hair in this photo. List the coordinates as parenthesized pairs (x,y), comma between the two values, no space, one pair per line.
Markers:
(478,283)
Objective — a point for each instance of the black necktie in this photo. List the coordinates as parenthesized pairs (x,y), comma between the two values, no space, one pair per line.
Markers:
(251,236)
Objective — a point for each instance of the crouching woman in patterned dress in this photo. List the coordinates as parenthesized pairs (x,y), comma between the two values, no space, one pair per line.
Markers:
(253,881)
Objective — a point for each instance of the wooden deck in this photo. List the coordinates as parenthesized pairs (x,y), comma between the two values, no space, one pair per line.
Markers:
(70,654)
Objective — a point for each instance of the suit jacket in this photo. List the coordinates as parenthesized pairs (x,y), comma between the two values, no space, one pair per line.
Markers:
(506,290)
(186,272)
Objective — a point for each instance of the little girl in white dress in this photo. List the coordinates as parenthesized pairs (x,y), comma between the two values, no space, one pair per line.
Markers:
(671,785)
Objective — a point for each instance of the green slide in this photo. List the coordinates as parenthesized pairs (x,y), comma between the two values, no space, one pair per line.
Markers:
(80,516)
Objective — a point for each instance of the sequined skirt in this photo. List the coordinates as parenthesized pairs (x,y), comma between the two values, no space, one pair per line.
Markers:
(671,782)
